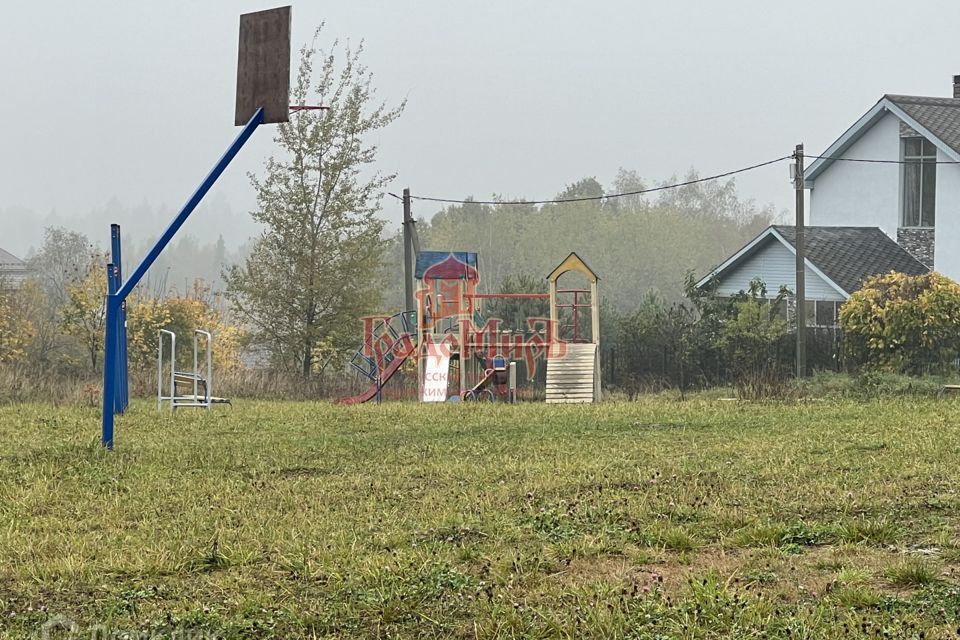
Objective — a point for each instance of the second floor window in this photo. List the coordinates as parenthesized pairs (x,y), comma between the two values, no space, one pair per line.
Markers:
(919,182)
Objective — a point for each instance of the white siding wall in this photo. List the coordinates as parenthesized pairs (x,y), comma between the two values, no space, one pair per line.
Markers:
(946,258)
(859,194)
(775,264)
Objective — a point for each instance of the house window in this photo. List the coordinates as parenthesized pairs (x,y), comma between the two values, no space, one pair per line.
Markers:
(823,314)
(827,314)
(919,182)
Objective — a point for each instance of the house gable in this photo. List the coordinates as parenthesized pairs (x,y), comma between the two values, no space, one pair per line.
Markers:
(774,262)
(13,270)
(838,260)
(10,261)
(857,193)
(861,179)
(936,119)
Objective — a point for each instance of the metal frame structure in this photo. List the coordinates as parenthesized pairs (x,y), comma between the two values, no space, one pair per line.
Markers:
(195,400)
(114,361)
(575,307)
(114,278)
(173,360)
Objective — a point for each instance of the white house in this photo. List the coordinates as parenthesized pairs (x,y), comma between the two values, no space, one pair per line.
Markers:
(885,196)
(915,199)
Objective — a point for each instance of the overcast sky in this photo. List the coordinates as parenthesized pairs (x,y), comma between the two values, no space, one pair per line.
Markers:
(134,100)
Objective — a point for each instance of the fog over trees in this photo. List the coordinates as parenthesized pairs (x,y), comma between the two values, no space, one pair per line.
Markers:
(636,244)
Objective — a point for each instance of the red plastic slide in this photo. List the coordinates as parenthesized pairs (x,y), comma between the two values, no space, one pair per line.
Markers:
(371,392)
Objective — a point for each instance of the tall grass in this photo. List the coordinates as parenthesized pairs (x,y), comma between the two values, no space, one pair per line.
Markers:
(23,384)
(645,519)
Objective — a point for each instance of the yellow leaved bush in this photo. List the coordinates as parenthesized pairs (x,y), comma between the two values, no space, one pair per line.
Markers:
(903,323)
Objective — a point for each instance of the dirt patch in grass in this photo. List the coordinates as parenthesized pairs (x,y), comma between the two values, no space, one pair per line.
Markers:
(304,472)
(783,577)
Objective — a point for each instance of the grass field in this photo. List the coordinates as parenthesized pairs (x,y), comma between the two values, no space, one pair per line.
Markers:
(653,519)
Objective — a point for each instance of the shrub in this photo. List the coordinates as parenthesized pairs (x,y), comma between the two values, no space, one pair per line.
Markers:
(902,323)
(182,314)
(16,328)
(752,338)
(661,345)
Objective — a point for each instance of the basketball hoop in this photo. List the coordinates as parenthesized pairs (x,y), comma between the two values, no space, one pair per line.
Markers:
(263,66)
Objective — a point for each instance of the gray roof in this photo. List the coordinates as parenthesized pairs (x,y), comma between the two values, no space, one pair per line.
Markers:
(937,119)
(940,116)
(10,261)
(850,255)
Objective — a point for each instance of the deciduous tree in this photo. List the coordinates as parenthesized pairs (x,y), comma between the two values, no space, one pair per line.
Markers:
(84,313)
(314,269)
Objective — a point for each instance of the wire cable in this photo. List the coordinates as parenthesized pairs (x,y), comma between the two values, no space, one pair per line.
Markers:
(873,161)
(603,197)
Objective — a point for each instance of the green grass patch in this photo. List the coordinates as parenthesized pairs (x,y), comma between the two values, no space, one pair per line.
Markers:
(648,519)
(912,572)
(878,531)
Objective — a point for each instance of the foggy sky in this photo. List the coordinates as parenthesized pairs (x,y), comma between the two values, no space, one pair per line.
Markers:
(134,100)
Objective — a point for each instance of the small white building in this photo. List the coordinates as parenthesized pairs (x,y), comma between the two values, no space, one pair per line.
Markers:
(13,270)
(897,168)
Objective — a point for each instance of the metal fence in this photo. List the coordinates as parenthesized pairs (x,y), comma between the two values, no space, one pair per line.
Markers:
(663,367)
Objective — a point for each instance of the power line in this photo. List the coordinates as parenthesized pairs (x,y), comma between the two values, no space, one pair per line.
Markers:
(603,197)
(872,161)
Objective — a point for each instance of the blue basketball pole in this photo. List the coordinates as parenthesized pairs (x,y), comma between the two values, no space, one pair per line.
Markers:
(123,396)
(110,364)
(112,287)
(115,298)
(120,400)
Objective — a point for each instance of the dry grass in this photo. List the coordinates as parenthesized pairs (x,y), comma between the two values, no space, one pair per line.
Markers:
(23,384)
(649,519)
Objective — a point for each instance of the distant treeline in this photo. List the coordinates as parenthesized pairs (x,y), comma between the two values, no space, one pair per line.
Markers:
(636,244)
(214,237)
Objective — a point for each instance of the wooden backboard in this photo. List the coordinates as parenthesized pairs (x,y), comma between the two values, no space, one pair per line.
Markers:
(263,66)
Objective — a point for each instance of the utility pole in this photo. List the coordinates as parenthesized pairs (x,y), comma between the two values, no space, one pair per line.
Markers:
(801,293)
(409,301)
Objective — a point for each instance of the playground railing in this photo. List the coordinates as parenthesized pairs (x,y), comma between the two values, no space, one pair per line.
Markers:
(370,366)
(173,368)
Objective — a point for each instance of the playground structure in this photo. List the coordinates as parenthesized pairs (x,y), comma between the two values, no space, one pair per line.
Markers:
(195,380)
(573,373)
(459,353)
